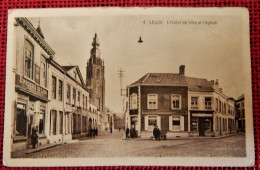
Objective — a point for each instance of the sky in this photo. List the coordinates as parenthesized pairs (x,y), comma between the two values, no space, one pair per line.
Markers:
(207,51)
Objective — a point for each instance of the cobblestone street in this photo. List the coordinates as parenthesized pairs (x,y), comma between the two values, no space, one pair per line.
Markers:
(112,145)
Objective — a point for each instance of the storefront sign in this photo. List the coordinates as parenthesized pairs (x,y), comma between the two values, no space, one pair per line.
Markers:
(30,87)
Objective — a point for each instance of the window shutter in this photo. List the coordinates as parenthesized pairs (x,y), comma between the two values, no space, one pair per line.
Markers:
(159,122)
(170,123)
(182,123)
(146,123)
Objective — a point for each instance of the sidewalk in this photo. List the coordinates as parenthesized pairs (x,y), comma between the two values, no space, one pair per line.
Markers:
(19,154)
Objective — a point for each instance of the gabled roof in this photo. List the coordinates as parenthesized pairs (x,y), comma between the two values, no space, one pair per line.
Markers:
(171,79)
(68,68)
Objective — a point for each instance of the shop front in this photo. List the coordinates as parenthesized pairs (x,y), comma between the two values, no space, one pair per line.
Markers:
(201,124)
(29,113)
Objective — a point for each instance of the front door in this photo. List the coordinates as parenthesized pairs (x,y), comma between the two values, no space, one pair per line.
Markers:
(30,125)
(201,126)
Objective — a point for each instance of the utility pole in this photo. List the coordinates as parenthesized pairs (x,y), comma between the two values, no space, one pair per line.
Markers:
(121,74)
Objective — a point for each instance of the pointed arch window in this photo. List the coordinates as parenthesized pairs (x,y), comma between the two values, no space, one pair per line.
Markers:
(98,73)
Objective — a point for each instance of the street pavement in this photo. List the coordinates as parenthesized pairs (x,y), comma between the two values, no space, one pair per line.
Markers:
(112,145)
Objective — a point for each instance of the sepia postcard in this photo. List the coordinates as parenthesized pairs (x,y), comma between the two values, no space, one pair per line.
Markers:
(128,86)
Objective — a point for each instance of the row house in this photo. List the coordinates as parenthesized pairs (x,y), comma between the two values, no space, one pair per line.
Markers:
(240,111)
(180,106)
(50,98)
(30,102)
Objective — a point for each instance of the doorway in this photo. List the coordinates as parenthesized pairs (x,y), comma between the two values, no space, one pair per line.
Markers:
(201,126)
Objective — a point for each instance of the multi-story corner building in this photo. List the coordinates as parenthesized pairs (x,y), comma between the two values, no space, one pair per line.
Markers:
(211,113)
(30,74)
(159,99)
(180,106)
(240,111)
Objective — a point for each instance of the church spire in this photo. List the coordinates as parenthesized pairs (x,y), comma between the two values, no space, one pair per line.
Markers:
(95,51)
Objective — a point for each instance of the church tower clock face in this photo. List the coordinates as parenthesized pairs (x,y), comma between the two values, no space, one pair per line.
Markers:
(95,78)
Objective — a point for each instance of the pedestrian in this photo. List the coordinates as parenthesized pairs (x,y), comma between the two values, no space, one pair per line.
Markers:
(34,137)
(111,130)
(155,132)
(97,131)
(90,131)
(132,132)
(158,133)
(126,132)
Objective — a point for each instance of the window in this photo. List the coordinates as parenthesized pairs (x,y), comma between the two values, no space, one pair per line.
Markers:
(208,103)
(152,101)
(67,115)
(41,121)
(83,102)
(86,103)
(28,57)
(176,123)
(79,97)
(53,121)
(53,91)
(43,72)
(224,109)
(216,105)
(194,124)
(36,73)
(176,99)
(152,121)
(61,122)
(68,93)
(219,105)
(208,125)
(74,96)
(60,90)
(133,101)
(194,103)
(98,74)
(21,120)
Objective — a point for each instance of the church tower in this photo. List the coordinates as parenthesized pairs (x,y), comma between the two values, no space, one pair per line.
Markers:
(95,76)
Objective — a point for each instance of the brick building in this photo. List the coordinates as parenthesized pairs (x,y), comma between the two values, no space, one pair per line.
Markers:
(180,106)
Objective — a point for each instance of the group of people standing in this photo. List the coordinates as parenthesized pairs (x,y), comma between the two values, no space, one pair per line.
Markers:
(92,132)
(131,131)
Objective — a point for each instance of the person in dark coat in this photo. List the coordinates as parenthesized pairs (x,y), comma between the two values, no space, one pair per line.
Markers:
(132,131)
(34,137)
(156,133)
(126,132)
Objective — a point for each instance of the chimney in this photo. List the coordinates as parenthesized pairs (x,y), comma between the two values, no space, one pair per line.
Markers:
(182,70)
(216,85)
(212,82)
